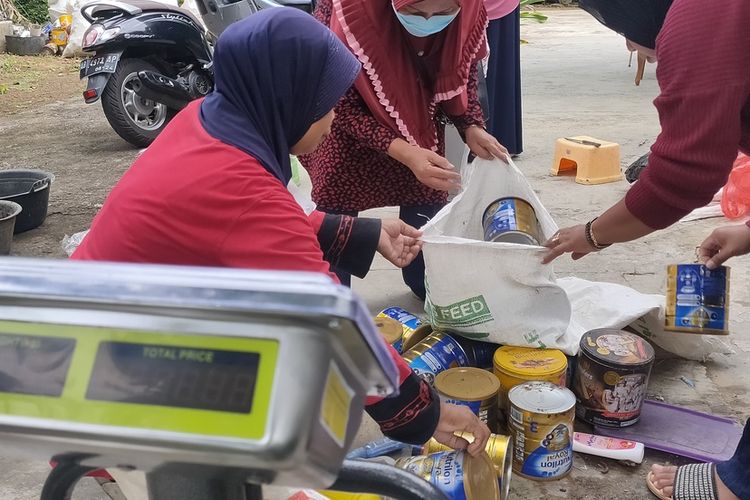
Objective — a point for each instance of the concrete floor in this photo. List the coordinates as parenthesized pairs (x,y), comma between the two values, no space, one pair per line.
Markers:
(576,81)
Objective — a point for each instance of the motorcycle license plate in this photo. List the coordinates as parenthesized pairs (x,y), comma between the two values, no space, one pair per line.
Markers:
(105,63)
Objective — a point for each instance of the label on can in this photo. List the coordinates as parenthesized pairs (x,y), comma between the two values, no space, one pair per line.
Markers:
(435,354)
(444,469)
(542,451)
(697,299)
(474,406)
(410,321)
(511,215)
(541,425)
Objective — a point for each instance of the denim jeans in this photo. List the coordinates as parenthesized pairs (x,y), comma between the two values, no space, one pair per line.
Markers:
(735,473)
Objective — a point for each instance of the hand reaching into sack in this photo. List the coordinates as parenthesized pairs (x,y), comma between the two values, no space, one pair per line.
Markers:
(399,242)
(484,145)
(428,167)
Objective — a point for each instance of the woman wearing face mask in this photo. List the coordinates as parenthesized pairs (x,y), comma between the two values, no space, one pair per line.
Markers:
(211,190)
(387,144)
(704,110)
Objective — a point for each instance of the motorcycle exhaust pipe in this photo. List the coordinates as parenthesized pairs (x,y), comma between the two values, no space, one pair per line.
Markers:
(161,89)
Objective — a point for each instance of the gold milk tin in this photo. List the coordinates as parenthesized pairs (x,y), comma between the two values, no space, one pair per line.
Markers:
(391,330)
(511,220)
(697,299)
(541,424)
(471,387)
(414,337)
(498,449)
(516,365)
(456,473)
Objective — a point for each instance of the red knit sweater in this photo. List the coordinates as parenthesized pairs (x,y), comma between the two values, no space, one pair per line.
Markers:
(703,71)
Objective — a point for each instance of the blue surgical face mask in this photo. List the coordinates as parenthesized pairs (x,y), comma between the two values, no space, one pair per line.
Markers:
(421,27)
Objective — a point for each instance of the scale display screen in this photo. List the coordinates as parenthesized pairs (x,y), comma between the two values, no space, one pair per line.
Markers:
(34,365)
(201,384)
(167,375)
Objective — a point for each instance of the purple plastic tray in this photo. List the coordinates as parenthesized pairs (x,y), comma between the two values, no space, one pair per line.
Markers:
(681,431)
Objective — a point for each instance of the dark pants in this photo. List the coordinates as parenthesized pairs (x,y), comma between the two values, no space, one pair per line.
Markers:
(504,81)
(735,473)
(413,274)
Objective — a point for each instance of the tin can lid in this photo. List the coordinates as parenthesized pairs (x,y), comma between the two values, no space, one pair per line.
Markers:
(467,384)
(542,397)
(415,337)
(480,478)
(519,237)
(389,328)
(617,347)
(529,361)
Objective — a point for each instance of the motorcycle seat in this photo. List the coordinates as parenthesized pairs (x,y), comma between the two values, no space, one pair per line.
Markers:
(151,6)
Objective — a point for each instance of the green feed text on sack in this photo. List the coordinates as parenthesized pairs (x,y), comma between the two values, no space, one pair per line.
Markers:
(466,313)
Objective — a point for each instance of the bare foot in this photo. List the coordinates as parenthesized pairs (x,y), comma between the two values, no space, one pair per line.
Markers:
(664,480)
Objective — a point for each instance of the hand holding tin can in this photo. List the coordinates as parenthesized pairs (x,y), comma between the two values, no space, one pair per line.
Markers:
(724,243)
(456,419)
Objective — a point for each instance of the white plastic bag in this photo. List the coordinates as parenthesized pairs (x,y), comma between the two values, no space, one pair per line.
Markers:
(70,243)
(501,292)
(301,187)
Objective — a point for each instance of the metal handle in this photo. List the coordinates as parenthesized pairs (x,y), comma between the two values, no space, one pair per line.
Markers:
(39,185)
(361,476)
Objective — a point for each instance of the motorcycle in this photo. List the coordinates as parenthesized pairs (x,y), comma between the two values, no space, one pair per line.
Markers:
(151,59)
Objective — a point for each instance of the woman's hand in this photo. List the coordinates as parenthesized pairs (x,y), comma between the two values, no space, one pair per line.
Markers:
(569,240)
(723,243)
(485,145)
(454,418)
(399,242)
(428,167)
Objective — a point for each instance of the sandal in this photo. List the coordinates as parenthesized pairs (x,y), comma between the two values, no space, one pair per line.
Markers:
(692,482)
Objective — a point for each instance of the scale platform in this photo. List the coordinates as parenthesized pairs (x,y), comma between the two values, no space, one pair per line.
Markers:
(152,367)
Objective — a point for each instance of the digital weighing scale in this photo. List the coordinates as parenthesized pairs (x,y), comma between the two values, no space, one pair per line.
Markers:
(212,381)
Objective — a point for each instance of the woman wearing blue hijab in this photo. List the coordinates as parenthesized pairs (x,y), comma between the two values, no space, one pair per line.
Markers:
(211,190)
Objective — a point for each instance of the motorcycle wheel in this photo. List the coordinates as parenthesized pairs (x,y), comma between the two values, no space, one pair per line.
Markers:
(137,120)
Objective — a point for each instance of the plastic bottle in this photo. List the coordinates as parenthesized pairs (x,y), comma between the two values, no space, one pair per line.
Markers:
(383,446)
(607,447)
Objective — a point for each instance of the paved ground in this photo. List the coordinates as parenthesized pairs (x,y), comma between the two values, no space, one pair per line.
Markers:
(576,81)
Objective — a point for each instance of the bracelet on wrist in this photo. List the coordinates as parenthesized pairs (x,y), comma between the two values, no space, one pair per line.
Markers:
(591,239)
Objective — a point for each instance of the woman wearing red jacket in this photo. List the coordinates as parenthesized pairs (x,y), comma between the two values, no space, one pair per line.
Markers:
(211,190)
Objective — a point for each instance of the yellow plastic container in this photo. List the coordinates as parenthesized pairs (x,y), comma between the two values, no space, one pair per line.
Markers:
(65,20)
(59,36)
(515,365)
